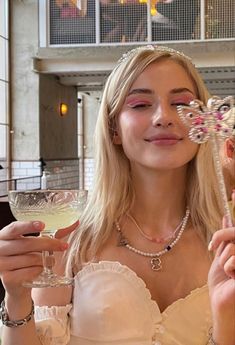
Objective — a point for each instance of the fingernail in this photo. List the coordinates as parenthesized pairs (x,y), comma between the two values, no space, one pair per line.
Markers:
(37,225)
(210,246)
(64,245)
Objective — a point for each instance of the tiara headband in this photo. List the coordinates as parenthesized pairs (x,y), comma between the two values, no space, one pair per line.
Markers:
(160,49)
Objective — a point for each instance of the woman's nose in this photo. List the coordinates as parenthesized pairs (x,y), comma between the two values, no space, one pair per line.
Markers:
(162,118)
(163,124)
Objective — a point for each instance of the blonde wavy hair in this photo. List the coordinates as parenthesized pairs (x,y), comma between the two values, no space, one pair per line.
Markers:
(112,193)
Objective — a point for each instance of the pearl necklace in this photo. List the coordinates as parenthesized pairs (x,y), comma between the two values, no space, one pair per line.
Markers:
(155,239)
(156,263)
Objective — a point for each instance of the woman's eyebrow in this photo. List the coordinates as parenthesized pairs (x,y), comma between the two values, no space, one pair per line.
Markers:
(143,91)
(181,90)
(150,92)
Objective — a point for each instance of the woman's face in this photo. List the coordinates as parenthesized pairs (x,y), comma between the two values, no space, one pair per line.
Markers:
(149,128)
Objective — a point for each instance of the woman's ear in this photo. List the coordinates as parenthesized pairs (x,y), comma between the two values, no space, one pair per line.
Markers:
(230,148)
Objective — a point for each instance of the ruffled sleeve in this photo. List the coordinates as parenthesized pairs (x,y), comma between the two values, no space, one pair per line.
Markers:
(52,324)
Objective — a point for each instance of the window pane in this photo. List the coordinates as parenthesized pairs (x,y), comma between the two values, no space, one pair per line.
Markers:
(220,19)
(3,88)
(123,21)
(72,22)
(3,18)
(2,58)
(3,141)
(176,20)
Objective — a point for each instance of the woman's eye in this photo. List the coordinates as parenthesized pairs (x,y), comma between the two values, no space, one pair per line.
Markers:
(139,105)
(181,104)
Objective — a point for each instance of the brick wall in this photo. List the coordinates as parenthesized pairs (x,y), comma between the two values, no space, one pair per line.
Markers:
(89,172)
(60,174)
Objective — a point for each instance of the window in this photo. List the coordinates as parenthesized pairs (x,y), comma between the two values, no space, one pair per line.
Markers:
(4,84)
(220,19)
(72,22)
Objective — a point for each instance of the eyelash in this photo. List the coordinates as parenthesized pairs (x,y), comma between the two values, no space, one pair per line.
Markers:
(139,106)
(180,103)
(147,105)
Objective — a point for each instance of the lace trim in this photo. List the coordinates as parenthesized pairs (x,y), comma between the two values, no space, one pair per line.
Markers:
(52,324)
(45,312)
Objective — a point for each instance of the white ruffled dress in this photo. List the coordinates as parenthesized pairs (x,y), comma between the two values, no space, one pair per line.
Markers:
(112,306)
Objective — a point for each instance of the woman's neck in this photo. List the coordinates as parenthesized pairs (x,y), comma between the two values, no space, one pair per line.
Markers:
(159,199)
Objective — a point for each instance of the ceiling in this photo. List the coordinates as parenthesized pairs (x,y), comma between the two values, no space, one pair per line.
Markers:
(219,80)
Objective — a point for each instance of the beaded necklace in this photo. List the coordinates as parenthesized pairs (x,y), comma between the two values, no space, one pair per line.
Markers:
(155,261)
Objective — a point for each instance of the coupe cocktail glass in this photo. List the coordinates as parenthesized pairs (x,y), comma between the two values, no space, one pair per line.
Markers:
(57,209)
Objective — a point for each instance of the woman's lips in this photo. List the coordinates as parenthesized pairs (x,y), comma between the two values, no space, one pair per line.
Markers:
(164,140)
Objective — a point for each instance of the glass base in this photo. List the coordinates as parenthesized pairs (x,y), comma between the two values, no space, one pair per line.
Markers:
(44,280)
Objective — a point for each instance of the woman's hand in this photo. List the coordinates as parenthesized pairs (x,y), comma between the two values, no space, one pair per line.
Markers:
(221,281)
(20,255)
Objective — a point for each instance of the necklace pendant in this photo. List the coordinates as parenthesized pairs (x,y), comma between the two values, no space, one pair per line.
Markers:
(156,264)
(122,242)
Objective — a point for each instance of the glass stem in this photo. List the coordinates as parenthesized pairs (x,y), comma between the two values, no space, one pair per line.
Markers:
(48,260)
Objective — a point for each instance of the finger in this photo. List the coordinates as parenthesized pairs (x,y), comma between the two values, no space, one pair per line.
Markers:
(228,251)
(66,231)
(31,244)
(229,267)
(224,235)
(18,229)
(220,249)
(10,263)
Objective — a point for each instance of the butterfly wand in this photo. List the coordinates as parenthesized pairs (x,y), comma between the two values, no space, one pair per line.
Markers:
(213,122)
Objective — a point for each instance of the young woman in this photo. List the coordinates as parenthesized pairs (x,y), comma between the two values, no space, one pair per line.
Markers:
(142,271)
